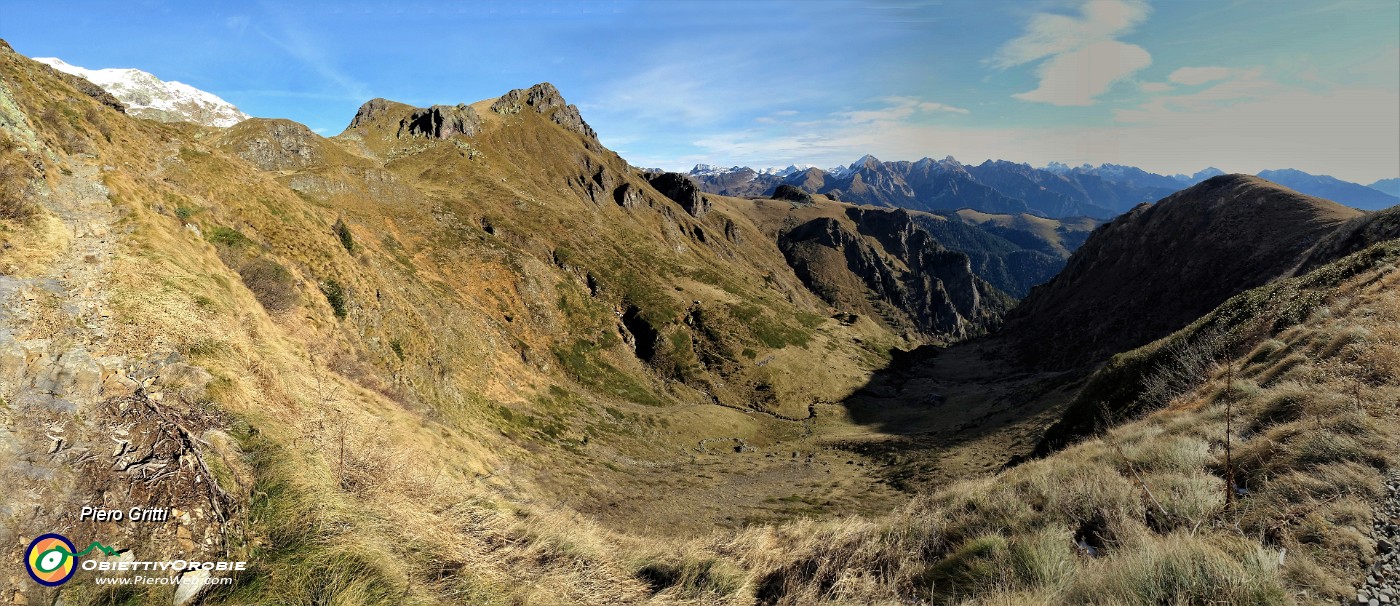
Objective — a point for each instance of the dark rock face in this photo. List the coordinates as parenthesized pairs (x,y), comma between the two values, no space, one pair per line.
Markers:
(913,283)
(545,100)
(682,190)
(595,181)
(792,193)
(628,196)
(440,122)
(1011,258)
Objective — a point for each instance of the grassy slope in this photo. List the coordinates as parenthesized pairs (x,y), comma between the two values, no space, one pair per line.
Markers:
(436,439)
(1313,419)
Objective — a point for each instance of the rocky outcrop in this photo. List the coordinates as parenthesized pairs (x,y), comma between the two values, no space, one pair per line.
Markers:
(792,193)
(545,100)
(372,110)
(903,277)
(628,196)
(680,189)
(596,181)
(274,144)
(439,122)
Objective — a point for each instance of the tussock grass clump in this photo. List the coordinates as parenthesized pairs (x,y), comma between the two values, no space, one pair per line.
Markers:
(973,567)
(691,578)
(15,177)
(1182,569)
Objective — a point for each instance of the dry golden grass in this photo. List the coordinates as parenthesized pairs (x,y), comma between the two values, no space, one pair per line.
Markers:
(1310,446)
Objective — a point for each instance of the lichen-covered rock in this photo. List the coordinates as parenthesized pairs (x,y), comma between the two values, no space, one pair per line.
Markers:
(274,144)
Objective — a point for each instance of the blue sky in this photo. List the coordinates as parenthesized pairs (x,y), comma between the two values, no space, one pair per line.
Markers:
(1172,86)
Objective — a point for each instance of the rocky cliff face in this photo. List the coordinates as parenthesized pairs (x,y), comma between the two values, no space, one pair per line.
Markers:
(441,122)
(682,190)
(372,110)
(883,264)
(546,100)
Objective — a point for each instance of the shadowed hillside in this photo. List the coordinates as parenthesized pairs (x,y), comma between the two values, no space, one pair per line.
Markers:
(1156,268)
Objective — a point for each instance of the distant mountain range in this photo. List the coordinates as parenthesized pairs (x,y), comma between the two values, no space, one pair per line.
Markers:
(999,186)
(1388,186)
(1332,188)
(147,96)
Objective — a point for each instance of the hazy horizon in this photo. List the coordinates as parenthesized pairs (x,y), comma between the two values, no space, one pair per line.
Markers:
(1168,87)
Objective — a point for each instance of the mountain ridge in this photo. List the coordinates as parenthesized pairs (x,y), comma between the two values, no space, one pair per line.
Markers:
(1001,186)
(1154,269)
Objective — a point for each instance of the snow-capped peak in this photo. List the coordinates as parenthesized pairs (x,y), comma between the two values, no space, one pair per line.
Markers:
(791,169)
(147,96)
(712,170)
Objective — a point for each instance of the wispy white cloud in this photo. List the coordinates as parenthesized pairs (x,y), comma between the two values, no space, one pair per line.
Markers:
(1155,87)
(297,41)
(897,109)
(1196,76)
(1232,86)
(1079,76)
(1050,34)
(1081,55)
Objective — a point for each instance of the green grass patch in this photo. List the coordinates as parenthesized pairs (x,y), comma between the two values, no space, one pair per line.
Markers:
(582,361)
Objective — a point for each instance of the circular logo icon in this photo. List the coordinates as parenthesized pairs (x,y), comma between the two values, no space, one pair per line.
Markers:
(50,560)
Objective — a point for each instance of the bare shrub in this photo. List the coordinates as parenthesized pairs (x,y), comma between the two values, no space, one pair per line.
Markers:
(1185,366)
(15,177)
(271,283)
